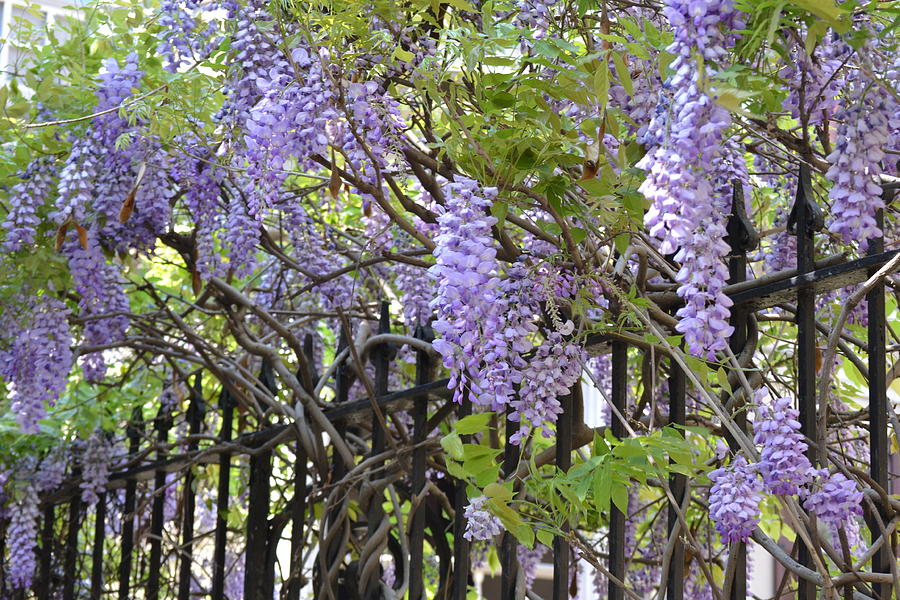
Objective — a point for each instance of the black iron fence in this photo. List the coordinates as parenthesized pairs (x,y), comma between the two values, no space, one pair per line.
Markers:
(343,572)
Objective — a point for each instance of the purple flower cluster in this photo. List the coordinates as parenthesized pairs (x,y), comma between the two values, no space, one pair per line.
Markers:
(288,121)
(199,179)
(38,358)
(782,252)
(688,214)
(855,161)
(376,120)
(529,559)
(95,468)
(734,500)
(184,35)
(21,537)
(241,236)
(812,81)
(555,368)
(318,256)
(467,285)
(511,334)
(783,464)
(416,291)
(480,523)
(102,298)
(25,198)
(75,187)
(117,84)
(535,15)
(255,53)
(52,470)
(98,174)
(836,502)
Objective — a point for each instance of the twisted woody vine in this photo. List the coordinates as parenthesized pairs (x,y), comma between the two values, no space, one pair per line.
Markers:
(193,192)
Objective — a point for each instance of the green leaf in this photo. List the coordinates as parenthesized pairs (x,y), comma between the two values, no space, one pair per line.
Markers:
(628,448)
(825,9)
(722,379)
(578,234)
(620,498)
(473,451)
(486,476)
(403,55)
(18,109)
(622,241)
(601,84)
(473,423)
(545,537)
(503,100)
(456,470)
(499,491)
(731,98)
(622,73)
(498,211)
(601,484)
(453,446)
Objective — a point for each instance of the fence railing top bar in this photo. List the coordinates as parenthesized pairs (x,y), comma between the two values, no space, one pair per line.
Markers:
(831,272)
(822,280)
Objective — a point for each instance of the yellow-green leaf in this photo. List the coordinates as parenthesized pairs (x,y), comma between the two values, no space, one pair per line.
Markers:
(453,446)
(601,84)
(473,423)
(622,73)
(824,9)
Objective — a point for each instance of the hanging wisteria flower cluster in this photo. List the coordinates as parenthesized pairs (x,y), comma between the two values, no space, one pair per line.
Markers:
(687,215)
(38,359)
(783,469)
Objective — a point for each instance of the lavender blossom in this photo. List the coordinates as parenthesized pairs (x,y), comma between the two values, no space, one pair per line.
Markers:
(95,468)
(38,357)
(859,150)
(688,214)
(783,464)
(22,537)
(480,524)
(836,501)
(734,500)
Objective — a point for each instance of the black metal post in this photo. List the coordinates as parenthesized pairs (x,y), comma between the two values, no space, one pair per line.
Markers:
(226,405)
(675,581)
(563,462)
(163,422)
(419,464)
(97,554)
(879,445)
(616,517)
(195,415)
(342,382)
(70,565)
(257,579)
(46,555)
(804,220)
(741,238)
(134,437)
(461,566)
(298,504)
(509,561)
(375,511)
